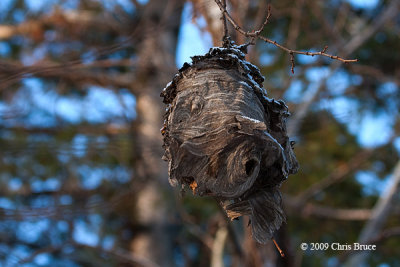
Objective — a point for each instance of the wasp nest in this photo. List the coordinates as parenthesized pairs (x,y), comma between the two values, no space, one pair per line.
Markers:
(223,137)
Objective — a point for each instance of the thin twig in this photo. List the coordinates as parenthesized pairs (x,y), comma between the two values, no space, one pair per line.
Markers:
(225,26)
(258,32)
(278,248)
(256,35)
(292,61)
(307,53)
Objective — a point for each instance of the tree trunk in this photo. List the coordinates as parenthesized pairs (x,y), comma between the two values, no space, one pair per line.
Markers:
(157,66)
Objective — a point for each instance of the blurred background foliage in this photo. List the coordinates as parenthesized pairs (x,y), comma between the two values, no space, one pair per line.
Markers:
(81,177)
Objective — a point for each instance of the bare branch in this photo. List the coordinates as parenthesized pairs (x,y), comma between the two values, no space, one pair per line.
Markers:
(123,255)
(341,172)
(388,14)
(336,176)
(310,209)
(75,19)
(72,73)
(338,214)
(98,129)
(307,53)
(256,35)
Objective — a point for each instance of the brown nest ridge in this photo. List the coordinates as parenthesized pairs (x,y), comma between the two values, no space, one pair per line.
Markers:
(223,137)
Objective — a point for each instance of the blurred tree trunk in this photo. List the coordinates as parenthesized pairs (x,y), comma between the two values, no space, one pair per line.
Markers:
(161,20)
(380,213)
(211,13)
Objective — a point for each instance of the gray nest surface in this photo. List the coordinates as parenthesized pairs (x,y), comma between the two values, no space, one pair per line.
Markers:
(223,137)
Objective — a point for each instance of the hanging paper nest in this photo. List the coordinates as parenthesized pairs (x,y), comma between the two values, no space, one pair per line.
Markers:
(223,137)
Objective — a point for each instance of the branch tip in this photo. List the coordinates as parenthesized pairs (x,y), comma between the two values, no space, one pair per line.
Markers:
(278,248)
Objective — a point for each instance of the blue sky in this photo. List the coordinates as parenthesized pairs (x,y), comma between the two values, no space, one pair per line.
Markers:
(191,40)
